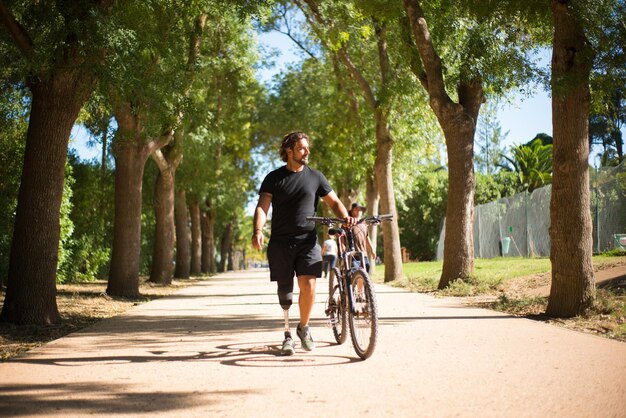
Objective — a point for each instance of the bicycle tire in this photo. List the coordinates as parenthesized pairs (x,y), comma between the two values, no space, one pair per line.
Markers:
(363,322)
(336,308)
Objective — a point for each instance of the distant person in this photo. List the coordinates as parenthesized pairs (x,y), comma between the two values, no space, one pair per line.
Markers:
(294,190)
(360,233)
(329,255)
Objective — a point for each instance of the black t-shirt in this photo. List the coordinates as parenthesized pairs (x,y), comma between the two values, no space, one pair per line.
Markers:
(294,197)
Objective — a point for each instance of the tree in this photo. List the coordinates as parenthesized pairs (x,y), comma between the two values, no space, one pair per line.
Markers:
(147,95)
(168,159)
(458,121)
(533,164)
(216,171)
(378,98)
(573,286)
(489,137)
(479,57)
(56,48)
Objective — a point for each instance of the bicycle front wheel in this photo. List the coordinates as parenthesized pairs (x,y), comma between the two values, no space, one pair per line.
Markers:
(336,308)
(363,315)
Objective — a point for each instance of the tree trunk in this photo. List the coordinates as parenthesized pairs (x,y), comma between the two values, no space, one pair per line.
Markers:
(165,231)
(31,284)
(130,159)
(573,286)
(103,157)
(196,237)
(391,232)
(183,244)
(458,122)
(208,242)
(167,160)
(458,250)
(227,237)
(372,198)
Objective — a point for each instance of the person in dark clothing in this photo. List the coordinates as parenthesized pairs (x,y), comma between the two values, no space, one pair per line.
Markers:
(293,191)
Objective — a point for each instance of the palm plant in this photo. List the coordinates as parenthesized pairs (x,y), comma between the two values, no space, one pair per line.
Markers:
(532,163)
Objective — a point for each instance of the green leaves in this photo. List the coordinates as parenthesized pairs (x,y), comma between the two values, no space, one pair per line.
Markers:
(532,163)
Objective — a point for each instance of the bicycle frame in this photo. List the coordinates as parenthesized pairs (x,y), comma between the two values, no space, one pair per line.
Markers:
(346,252)
(351,295)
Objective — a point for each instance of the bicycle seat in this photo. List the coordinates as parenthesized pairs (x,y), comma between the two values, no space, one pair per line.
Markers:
(335,231)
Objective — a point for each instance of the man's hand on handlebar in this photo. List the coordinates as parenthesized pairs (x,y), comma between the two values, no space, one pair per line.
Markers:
(350,221)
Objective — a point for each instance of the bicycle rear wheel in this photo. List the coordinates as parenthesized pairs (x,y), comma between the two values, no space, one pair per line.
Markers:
(363,315)
(336,308)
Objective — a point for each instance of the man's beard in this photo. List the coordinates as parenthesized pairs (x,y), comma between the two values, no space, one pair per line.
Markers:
(302,161)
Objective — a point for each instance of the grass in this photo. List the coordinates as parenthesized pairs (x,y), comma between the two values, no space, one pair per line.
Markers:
(488,275)
(520,286)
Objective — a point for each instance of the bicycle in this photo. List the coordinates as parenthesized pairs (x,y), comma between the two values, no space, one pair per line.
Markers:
(351,295)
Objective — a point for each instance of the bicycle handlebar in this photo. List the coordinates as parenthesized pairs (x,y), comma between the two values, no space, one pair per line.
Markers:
(377,219)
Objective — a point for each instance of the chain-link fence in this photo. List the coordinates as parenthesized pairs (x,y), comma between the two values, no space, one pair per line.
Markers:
(518,225)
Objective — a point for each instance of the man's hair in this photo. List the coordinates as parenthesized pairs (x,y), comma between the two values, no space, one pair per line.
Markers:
(289,142)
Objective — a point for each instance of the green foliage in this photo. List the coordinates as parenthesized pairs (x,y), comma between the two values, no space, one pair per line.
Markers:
(308,99)
(488,41)
(615,252)
(608,82)
(14,108)
(420,216)
(92,217)
(51,26)
(67,228)
(493,187)
(533,164)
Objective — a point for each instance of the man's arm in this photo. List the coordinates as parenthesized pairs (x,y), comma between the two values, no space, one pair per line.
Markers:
(370,248)
(260,217)
(338,208)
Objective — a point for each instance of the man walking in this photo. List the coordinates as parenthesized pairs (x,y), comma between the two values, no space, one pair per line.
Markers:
(293,191)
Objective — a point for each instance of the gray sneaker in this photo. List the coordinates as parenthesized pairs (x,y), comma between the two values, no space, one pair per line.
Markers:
(305,337)
(288,348)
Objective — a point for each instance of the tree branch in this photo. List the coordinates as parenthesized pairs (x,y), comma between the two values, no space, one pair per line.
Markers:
(17,31)
(380,28)
(159,159)
(430,60)
(342,53)
(288,34)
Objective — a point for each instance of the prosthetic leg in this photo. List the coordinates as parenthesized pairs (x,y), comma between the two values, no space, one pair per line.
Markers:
(285,298)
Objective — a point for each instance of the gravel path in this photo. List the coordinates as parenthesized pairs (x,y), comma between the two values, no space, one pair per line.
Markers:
(210,350)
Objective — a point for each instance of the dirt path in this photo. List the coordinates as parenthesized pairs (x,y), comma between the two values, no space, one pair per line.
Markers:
(210,350)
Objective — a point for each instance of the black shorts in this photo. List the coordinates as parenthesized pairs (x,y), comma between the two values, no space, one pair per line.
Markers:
(303,258)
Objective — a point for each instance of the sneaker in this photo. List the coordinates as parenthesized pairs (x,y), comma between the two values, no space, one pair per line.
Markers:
(305,337)
(288,348)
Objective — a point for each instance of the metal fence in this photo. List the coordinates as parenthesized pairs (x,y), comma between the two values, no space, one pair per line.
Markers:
(518,225)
